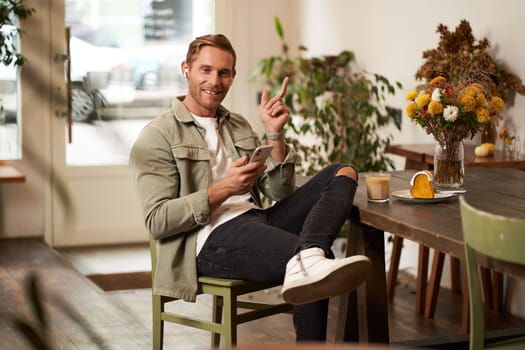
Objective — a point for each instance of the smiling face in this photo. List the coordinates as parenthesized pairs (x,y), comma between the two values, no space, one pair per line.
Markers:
(209,77)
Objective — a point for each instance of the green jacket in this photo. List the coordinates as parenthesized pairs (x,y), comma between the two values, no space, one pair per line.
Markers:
(171,168)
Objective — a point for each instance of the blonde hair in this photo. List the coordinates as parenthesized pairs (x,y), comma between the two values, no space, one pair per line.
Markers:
(219,41)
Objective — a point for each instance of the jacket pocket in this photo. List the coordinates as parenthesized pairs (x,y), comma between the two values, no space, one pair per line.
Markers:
(246,145)
(190,152)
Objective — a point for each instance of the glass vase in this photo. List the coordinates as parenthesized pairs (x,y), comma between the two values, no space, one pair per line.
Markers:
(449,164)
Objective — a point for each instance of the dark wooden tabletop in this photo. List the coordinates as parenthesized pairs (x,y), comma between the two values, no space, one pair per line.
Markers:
(421,156)
(436,225)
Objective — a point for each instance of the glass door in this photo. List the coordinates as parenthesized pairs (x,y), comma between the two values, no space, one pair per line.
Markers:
(124,70)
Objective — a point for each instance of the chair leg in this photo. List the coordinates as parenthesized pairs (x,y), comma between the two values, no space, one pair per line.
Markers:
(397,245)
(230,320)
(218,304)
(158,324)
(435,281)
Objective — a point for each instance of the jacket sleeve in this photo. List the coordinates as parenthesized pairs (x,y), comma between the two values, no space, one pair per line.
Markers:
(156,175)
(278,181)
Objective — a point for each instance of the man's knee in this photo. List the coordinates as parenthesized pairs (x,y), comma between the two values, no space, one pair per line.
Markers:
(347,171)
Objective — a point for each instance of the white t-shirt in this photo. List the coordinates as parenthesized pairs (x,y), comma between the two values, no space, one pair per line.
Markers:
(220,163)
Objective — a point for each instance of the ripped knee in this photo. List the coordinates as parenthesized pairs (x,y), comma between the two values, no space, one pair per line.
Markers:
(347,171)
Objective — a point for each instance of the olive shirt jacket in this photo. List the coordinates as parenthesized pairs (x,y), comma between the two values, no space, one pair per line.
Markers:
(170,162)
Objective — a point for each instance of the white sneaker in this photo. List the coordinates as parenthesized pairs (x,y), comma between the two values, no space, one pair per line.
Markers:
(310,276)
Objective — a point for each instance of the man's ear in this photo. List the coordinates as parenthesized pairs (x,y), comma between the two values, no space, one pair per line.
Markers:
(185,69)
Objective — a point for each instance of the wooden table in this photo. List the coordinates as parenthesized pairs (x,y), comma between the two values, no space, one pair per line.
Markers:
(363,315)
(421,156)
(9,173)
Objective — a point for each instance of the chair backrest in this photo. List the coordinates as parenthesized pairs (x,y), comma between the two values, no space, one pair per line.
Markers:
(496,236)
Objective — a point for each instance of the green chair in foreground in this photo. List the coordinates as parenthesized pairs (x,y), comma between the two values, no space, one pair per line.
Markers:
(225,313)
(498,237)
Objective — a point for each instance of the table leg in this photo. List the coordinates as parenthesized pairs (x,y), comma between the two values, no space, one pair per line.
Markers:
(455,275)
(465,319)
(397,245)
(497,281)
(421,281)
(486,283)
(435,281)
(363,314)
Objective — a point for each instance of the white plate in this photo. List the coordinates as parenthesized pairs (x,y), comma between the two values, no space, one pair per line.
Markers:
(405,195)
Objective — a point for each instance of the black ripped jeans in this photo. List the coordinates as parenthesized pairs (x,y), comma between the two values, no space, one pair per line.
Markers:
(256,245)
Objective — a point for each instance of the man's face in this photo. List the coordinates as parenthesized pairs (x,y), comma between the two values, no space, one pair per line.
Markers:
(209,79)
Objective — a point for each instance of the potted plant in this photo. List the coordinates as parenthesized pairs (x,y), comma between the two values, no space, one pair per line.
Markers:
(337,112)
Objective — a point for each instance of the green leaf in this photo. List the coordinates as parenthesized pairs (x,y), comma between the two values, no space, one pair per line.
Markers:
(279,27)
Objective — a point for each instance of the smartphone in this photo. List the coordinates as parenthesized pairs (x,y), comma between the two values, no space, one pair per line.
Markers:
(261,153)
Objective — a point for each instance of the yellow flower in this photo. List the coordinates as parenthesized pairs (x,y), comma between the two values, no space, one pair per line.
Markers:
(411,110)
(435,108)
(411,95)
(481,100)
(477,87)
(469,91)
(503,134)
(468,102)
(496,104)
(422,100)
(436,80)
(482,115)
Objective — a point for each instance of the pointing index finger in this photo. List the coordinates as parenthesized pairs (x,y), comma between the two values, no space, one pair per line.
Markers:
(284,86)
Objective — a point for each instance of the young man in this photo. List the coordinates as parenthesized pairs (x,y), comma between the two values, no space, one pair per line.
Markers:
(200,197)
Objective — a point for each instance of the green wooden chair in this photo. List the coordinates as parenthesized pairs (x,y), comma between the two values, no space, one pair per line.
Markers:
(225,309)
(500,238)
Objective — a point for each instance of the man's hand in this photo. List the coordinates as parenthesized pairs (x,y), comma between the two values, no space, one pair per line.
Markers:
(239,180)
(274,112)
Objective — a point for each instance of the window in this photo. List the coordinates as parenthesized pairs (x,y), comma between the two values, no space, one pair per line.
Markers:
(9,102)
(125,69)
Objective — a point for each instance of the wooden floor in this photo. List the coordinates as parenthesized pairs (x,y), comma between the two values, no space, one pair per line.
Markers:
(84,316)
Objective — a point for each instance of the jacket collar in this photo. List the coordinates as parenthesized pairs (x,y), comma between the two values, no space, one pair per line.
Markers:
(184,116)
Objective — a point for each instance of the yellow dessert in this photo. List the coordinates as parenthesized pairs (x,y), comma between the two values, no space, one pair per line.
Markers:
(421,185)
(484,150)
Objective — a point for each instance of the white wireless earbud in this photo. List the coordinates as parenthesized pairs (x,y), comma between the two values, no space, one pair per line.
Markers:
(186,72)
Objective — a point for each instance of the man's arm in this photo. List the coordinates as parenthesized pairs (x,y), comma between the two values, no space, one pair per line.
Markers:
(274,114)
(157,180)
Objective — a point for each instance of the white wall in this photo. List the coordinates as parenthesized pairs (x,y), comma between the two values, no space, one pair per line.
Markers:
(389,37)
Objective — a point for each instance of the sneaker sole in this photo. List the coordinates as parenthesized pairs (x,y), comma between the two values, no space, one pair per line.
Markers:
(342,280)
